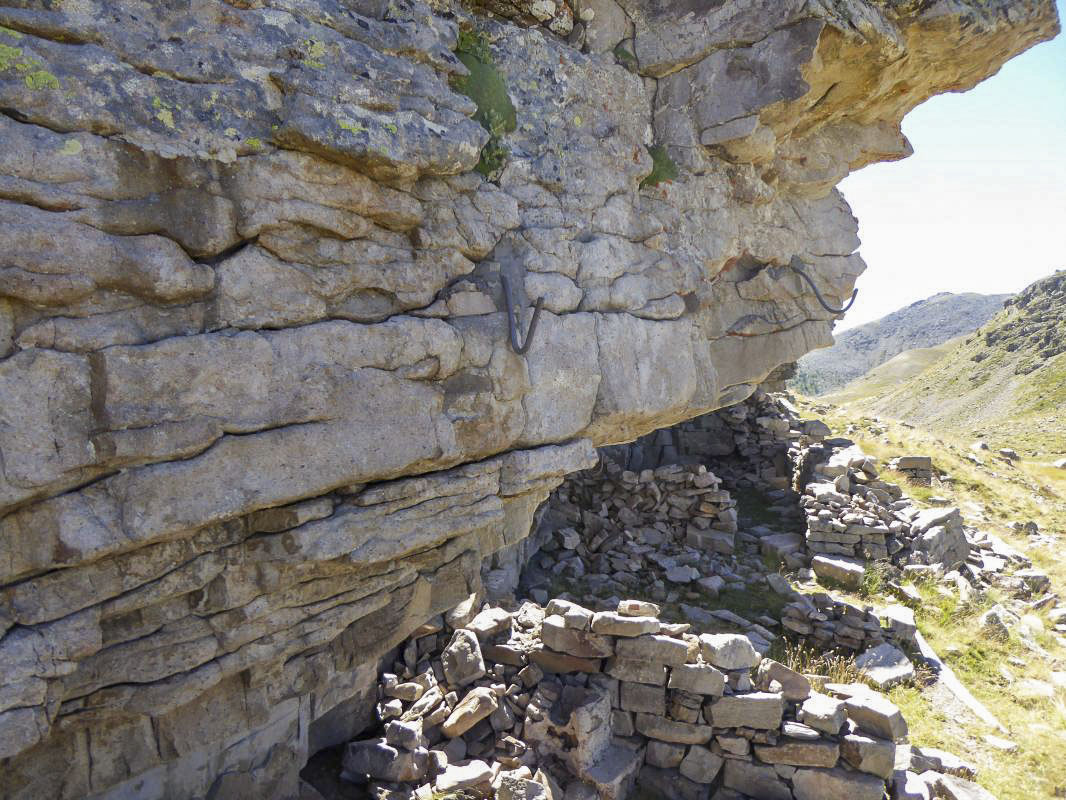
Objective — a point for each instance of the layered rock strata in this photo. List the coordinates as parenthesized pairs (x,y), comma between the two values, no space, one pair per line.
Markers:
(259,414)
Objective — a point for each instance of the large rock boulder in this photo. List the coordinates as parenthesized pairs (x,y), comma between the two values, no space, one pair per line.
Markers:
(260,416)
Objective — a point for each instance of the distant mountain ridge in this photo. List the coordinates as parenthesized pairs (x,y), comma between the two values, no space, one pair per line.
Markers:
(925,323)
(1006,382)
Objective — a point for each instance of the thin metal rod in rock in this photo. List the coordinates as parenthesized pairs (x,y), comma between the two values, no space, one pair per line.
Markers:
(954,685)
(514,319)
(798,266)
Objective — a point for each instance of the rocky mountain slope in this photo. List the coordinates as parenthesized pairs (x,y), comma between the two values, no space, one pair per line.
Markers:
(926,323)
(1005,383)
(261,415)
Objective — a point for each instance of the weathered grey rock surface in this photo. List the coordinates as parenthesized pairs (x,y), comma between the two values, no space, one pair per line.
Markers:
(259,419)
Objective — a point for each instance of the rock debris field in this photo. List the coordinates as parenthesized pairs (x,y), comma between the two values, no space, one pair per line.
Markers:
(583,690)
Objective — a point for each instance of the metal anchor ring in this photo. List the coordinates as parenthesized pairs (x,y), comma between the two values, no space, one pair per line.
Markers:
(797,265)
(514,319)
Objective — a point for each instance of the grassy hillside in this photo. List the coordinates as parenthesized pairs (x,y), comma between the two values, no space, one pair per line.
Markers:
(991,494)
(892,373)
(1005,384)
(926,323)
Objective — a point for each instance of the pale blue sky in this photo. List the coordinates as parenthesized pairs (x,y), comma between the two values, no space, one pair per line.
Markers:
(981,205)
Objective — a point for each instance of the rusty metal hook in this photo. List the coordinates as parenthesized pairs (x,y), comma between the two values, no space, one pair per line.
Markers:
(797,265)
(514,319)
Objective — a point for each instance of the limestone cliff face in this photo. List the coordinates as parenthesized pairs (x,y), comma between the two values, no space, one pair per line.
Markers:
(259,417)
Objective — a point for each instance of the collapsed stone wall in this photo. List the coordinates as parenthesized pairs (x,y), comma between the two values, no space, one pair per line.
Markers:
(260,419)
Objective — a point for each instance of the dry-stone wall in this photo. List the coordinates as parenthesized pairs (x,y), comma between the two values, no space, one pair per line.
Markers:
(560,701)
(259,415)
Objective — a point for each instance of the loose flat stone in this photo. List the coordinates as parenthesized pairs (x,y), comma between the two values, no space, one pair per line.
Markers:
(478,704)
(885,666)
(823,713)
(877,715)
(462,660)
(615,624)
(463,776)
(638,608)
(843,570)
(728,651)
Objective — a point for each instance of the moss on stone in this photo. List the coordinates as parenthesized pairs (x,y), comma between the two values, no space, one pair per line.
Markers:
(488,89)
(663,167)
(8,55)
(41,79)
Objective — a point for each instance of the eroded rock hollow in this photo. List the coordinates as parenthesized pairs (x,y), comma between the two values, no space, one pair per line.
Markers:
(260,417)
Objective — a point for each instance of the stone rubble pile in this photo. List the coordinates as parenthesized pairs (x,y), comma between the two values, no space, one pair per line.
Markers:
(566,703)
(851,512)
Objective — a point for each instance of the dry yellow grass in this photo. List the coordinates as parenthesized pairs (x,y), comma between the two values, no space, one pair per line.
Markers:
(991,495)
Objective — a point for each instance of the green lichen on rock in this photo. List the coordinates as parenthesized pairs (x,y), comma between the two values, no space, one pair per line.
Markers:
(488,89)
(663,167)
(41,79)
(8,55)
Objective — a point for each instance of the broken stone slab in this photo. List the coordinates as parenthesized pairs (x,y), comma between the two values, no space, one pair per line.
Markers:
(516,788)
(836,784)
(462,660)
(637,671)
(577,728)
(885,666)
(638,608)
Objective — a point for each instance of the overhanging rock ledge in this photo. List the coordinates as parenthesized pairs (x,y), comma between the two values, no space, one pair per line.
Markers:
(259,418)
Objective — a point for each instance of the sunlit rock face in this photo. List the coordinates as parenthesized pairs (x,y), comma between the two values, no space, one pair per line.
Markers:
(259,414)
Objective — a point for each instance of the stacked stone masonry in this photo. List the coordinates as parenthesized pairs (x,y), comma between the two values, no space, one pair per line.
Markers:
(563,702)
(259,416)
